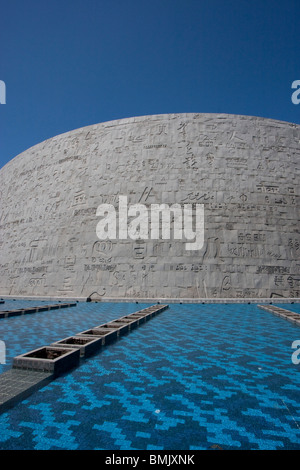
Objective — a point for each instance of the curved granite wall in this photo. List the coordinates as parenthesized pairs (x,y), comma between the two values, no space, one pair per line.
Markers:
(244,170)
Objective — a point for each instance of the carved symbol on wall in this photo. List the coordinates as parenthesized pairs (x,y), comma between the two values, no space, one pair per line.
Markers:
(212,249)
(206,142)
(139,249)
(162,129)
(226,283)
(235,141)
(37,282)
(280,200)
(182,127)
(153,163)
(158,249)
(34,245)
(210,158)
(79,198)
(56,176)
(69,262)
(214,292)
(293,282)
(270,188)
(162,181)
(139,135)
(119,277)
(102,247)
(278,280)
(81,173)
(190,162)
(67,284)
(146,193)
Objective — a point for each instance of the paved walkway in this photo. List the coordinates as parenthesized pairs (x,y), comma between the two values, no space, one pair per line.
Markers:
(16,385)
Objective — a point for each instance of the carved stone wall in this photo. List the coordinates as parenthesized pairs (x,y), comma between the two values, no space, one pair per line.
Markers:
(245,170)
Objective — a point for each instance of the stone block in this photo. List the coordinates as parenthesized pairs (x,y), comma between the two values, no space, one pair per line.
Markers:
(107,335)
(87,345)
(56,360)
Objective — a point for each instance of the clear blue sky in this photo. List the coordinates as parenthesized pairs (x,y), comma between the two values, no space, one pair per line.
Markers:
(72,63)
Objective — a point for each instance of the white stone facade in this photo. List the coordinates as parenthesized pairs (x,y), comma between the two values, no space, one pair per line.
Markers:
(245,170)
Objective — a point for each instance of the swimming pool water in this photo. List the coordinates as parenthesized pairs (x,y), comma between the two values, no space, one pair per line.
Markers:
(193,377)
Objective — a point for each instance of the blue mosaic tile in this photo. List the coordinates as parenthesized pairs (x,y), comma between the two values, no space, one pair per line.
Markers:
(195,377)
(28,332)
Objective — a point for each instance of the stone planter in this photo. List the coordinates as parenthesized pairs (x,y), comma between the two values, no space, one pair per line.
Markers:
(107,335)
(48,359)
(122,326)
(87,345)
(138,317)
(133,322)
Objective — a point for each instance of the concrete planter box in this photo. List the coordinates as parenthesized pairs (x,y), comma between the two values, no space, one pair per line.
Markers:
(138,314)
(87,345)
(149,310)
(105,325)
(147,315)
(140,318)
(115,325)
(293,318)
(136,320)
(124,320)
(107,335)
(133,322)
(122,326)
(48,359)
(288,315)
(10,313)
(13,313)
(29,310)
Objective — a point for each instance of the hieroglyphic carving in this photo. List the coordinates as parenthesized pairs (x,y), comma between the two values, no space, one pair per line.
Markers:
(251,237)
(147,192)
(50,194)
(273,269)
(100,267)
(79,198)
(139,249)
(37,282)
(103,247)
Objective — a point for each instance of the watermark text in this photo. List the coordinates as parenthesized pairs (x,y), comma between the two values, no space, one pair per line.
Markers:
(296,94)
(2,92)
(137,221)
(296,354)
(2,352)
